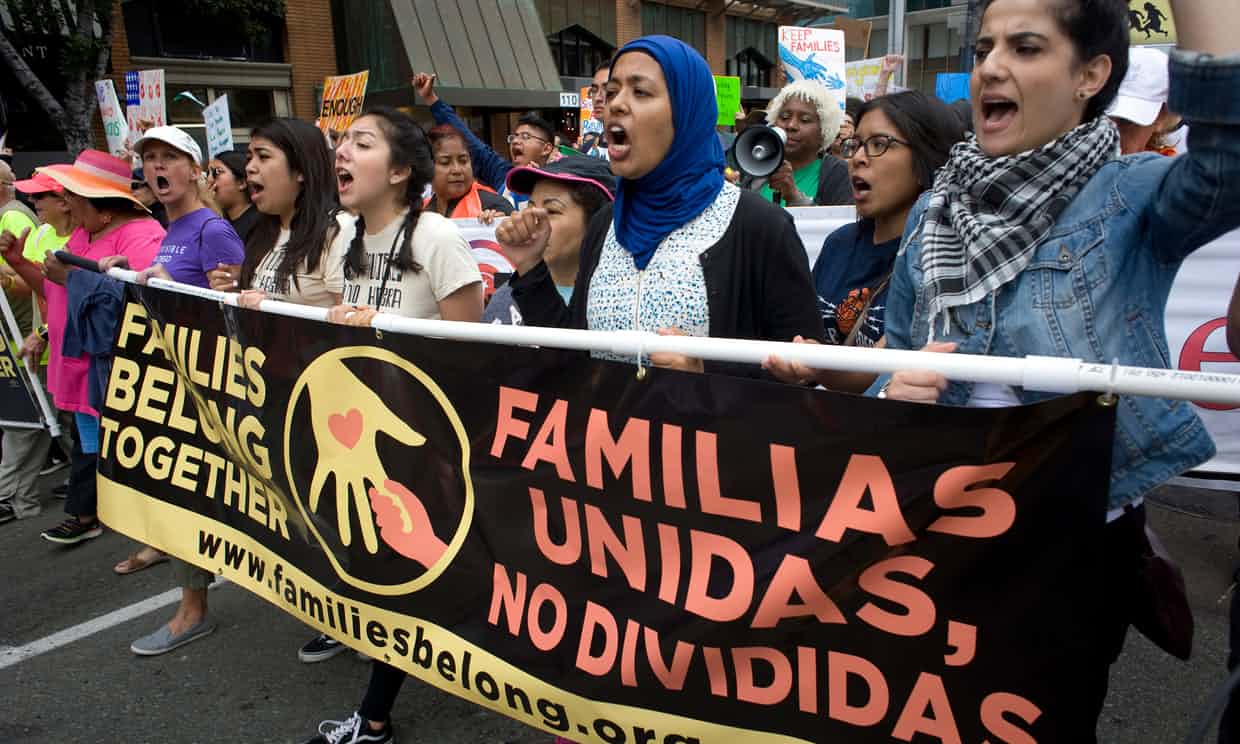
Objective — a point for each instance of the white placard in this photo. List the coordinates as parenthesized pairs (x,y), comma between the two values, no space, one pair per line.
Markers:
(569,100)
(814,54)
(219,127)
(863,77)
(114,125)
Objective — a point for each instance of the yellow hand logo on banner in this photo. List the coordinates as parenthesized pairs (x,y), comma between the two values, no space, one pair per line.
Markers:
(347,444)
(418,506)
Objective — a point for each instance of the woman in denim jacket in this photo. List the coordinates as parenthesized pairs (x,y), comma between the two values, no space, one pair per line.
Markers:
(1038,239)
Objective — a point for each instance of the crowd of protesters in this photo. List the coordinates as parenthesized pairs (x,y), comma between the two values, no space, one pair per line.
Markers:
(645,228)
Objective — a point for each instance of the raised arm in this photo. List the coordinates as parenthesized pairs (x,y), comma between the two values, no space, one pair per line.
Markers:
(1199,197)
(489,166)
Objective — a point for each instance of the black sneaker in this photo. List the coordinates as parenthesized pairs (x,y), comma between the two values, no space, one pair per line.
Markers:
(72,532)
(353,730)
(6,512)
(322,648)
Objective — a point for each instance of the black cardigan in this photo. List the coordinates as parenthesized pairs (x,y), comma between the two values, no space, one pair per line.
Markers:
(757,277)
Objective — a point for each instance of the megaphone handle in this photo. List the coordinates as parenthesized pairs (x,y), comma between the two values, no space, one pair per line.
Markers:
(776,196)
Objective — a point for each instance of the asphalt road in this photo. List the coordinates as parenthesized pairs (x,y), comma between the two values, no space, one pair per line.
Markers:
(245,684)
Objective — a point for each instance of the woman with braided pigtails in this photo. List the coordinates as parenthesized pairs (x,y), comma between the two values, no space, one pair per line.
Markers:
(402,260)
(405,261)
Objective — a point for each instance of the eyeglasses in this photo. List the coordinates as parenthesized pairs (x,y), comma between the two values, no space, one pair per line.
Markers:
(524,137)
(875,146)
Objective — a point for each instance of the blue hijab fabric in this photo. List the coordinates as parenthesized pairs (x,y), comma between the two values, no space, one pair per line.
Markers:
(681,187)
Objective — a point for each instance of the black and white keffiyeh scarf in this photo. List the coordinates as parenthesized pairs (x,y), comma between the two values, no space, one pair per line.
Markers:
(986,215)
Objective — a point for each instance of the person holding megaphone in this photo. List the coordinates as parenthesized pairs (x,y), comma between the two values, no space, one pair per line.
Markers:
(803,120)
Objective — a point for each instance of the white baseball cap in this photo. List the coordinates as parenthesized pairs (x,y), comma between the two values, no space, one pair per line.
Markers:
(1144,90)
(174,136)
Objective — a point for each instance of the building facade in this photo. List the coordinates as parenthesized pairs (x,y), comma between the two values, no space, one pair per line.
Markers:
(493,66)
(277,72)
(274,69)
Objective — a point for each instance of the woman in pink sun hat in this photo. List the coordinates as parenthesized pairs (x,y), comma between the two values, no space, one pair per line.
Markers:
(110,222)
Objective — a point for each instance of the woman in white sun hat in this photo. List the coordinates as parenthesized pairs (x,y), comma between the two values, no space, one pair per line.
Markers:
(198,241)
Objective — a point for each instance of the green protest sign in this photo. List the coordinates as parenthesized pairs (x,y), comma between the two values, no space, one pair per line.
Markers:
(728,96)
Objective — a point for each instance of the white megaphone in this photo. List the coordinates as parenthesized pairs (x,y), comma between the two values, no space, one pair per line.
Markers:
(759,150)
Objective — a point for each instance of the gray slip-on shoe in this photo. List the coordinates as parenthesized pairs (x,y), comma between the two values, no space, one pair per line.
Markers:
(162,641)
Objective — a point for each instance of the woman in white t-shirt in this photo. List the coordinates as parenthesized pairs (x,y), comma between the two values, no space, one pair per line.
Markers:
(401,260)
(404,261)
(295,252)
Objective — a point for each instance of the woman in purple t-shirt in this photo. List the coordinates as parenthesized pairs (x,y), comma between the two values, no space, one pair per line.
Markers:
(198,241)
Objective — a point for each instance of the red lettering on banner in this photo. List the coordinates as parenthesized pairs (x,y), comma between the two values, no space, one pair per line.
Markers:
(735,602)
(928,693)
(995,708)
(787,487)
(671,676)
(951,491)
(506,425)
(794,576)
(1193,355)
(551,444)
(631,448)
(712,501)
(629,554)
(545,594)
(567,553)
(840,667)
(597,618)
(743,659)
(866,474)
(919,614)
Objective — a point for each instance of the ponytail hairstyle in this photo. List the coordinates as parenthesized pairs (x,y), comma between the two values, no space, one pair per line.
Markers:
(409,149)
(313,211)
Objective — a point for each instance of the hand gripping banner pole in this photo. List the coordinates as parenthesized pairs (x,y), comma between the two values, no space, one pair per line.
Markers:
(32,376)
(1040,373)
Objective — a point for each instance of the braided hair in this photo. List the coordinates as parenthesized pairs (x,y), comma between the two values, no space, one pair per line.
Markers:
(314,210)
(408,148)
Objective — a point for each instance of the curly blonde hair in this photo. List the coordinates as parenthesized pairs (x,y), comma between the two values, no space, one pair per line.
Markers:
(830,115)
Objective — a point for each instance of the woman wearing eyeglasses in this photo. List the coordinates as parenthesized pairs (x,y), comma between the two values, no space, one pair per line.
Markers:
(899,142)
(455,191)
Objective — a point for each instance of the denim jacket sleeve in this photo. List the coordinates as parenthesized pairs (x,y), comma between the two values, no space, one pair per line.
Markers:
(1198,198)
(902,292)
(489,166)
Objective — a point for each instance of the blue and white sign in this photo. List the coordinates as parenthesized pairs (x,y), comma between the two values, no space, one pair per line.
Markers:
(815,54)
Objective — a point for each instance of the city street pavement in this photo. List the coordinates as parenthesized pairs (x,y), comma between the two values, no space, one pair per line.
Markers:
(245,684)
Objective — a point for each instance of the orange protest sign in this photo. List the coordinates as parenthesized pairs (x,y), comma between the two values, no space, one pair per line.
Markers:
(343,96)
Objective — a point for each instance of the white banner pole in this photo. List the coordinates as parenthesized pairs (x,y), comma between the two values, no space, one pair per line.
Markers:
(32,375)
(1046,374)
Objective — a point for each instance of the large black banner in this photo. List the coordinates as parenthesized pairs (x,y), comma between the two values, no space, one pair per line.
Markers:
(683,558)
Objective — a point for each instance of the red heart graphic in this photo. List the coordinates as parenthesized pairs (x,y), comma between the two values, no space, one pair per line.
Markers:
(346,427)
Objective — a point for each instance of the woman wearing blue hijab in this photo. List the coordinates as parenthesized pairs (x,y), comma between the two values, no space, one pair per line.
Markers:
(681,250)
